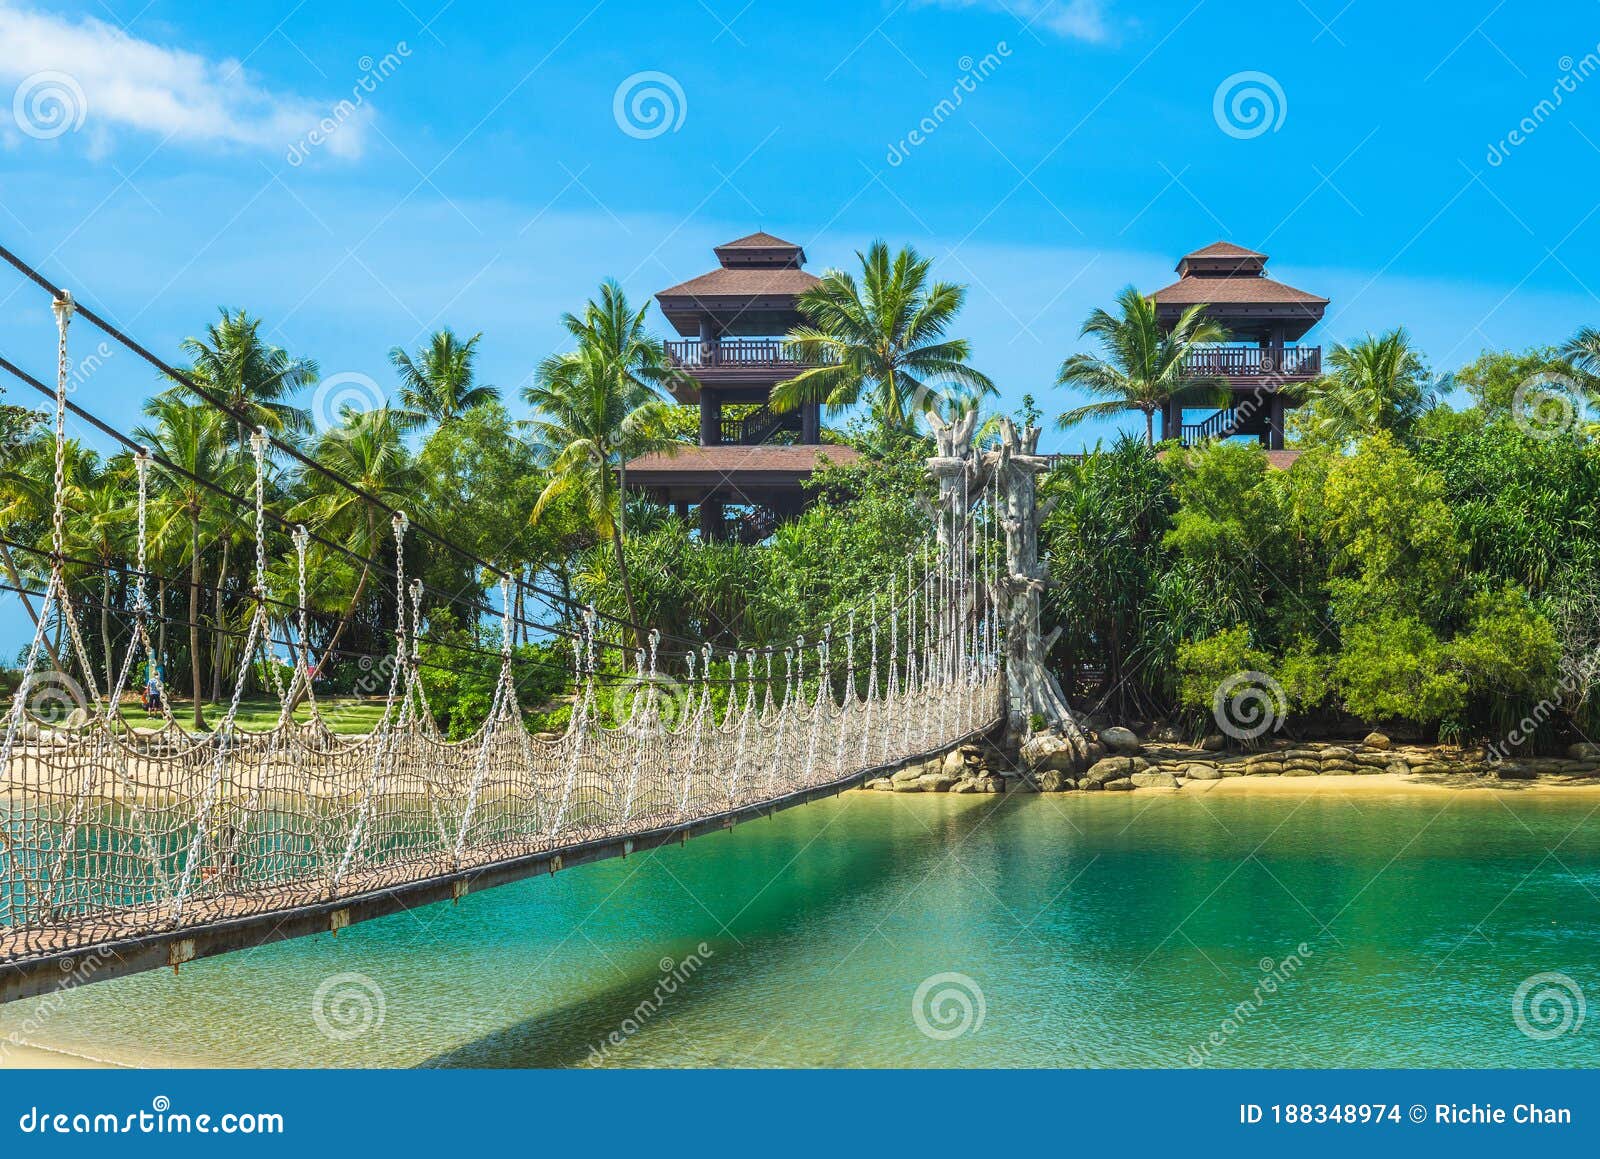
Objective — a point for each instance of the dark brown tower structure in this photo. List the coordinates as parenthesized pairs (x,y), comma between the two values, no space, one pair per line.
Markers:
(732,349)
(1265,320)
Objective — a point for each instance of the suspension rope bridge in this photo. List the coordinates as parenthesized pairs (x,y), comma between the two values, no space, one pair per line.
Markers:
(124,848)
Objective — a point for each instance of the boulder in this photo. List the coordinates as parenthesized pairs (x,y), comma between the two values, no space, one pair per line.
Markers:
(1089,786)
(1399,768)
(1094,752)
(1585,751)
(881,785)
(1513,771)
(1048,750)
(1120,740)
(1154,779)
(1300,771)
(1214,743)
(1120,785)
(909,775)
(954,763)
(1264,769)
(1376,740)
(1336,752)
(1167,734)
(1197,772)
(937,782)
(1053,781)
(1376,760)
(991,784)
(907,786)
(1340,768)
(1112,768)
(964,787)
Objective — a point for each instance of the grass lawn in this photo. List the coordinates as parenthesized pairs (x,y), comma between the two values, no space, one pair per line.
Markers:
(348,716)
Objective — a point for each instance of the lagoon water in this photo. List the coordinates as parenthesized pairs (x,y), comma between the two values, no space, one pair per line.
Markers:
(1139,929)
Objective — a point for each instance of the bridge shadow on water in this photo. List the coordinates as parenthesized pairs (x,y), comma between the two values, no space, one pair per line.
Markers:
(822,877)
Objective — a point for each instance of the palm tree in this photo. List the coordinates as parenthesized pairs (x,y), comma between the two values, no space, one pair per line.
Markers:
(369,451)
(193,439)
(883,341)
(1582,353)
(1379,383)
(437,384)
(1142,364)
(597,407)
(256,378)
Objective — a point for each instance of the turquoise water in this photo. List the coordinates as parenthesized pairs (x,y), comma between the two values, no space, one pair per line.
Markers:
(1087,929)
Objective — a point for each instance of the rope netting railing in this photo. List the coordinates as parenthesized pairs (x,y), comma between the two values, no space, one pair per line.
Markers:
(111,831)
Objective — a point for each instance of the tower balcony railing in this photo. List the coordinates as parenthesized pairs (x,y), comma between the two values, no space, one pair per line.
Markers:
(1242,361)
(737,353)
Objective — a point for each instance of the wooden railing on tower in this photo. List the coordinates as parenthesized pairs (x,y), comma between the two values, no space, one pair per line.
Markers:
(1234,360)
(755,353)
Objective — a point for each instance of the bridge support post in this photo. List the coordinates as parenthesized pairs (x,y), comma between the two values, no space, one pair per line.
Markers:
(1034,695)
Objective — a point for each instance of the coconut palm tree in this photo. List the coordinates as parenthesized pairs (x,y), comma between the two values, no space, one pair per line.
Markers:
(595,408)
(368,450)
(256,378)
(1582,353)
(1141,362)
(883,341)
(437,384)
(194,439)
(1380,383)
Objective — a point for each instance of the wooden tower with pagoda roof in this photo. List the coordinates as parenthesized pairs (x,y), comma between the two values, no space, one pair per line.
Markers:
(1265,320)
(732,348)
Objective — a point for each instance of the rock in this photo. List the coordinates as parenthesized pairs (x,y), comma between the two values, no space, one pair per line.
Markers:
(1095,751)
(1585,751)
(907,786)
(1376,740)
(881,785)
(1301,754)
(1214,743)
(1399,768)
(1417,759)
(1112,768)
(1513,771)
(992,784)
(77,718)
(1310,764)
(1048,750)
(1299,771)
(1336,752)
(1340,768)
(964,787)
(954,763)
(1197,772)
(909,775)
(1167,734)
(1120,740)
(1120,785)
(1264,769)
(1090,786)
(937,782)
(1053,781)
(1154,779)
(1376,760)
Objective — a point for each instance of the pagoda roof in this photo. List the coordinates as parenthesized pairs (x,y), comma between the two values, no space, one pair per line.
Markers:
(1224,249)
(737,461)
(747,281)
(1243,289)
(760,240)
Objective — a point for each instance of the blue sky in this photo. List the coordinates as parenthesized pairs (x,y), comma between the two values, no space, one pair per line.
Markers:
(487,179)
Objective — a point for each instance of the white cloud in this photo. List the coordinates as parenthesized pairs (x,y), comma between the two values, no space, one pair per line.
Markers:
(89,74)
(1074,19)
